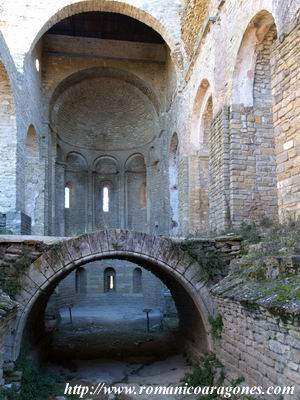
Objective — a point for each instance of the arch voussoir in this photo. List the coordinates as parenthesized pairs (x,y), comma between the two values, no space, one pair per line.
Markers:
(164,257)
(163,248)
(174,256)
(148,245)
(59,255)
(184,264)
(193,271)
(35,273)
(137,241)
(41,265)
(78,247)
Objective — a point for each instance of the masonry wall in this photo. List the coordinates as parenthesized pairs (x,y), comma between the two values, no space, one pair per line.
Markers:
(219,162)
(7,315)
(286,111)
(259,346)
(93,294)
(193,17)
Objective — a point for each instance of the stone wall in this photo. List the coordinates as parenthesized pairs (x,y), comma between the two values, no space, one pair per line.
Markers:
(8,311)
(8,138)
(252,145)
(193,16)
(259,347)
(219,161)
(93,293)
(286,111)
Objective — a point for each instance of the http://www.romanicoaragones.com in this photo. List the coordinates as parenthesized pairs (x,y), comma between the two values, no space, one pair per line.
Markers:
(91,391)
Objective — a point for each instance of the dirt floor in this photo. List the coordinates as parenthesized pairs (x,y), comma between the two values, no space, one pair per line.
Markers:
(115,348)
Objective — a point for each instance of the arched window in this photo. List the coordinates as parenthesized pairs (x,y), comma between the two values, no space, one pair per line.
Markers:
(80,281)
(105,199)
(137,280)
(109,280)
(67,196)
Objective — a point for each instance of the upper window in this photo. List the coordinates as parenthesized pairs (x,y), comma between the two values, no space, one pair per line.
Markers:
(105,199)
(67,197)
(109,280)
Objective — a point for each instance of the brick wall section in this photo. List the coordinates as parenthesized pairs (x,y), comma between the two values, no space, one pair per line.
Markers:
(219,172)
(8,148)
(8,310)
(198,195)
(286,111)
(258,346)
(193,17)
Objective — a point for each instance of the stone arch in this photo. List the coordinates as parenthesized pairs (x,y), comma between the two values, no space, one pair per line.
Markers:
(32,176)
(135,178)
(109,6)
(176,268)
(202,117)
(8,150)
(204,93)
(173,184)
(76,161)
(106,165)
(244,71)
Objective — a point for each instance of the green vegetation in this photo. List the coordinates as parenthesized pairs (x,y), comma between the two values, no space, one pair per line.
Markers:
(216,326)
(37,383)
(209,373)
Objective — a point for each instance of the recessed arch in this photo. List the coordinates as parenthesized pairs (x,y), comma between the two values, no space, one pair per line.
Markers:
(136,190)
(203,96)
(176,269)
(135,163)
(76,161)
(107,6)
(106,165)
(244,70)
(32,173)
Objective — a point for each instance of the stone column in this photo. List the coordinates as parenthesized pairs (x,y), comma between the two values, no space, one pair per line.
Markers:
(90,201)
(123,200)
(148,194)
(60,199)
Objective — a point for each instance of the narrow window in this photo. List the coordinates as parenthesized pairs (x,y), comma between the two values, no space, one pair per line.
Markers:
(105,199)
(109,280)
(67,197)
